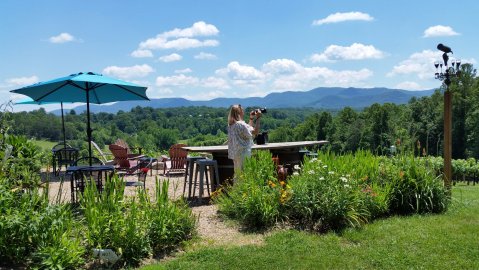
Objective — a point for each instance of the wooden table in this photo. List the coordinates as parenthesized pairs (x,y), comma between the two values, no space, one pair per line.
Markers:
(288,153)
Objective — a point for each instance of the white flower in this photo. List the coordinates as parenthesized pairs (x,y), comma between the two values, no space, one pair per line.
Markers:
(325,166)
(321,178)
(313,160)
(310,172)
(346,185)
(331,172)
(344,179)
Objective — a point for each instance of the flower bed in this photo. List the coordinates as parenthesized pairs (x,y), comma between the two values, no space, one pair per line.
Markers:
(332,192)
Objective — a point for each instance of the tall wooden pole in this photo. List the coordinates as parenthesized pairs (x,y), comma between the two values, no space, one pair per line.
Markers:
(447,138)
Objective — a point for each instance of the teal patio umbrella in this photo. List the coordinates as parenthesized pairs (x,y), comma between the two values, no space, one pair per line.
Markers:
(83,87)
(31,101)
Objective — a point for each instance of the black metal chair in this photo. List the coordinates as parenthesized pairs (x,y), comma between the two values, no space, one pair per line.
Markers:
(55,148)
(64,157)
(81,172)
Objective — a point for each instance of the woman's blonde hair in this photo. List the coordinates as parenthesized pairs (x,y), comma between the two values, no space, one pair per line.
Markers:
(235,114)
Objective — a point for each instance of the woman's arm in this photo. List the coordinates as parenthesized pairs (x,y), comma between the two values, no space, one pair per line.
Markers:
(255,124)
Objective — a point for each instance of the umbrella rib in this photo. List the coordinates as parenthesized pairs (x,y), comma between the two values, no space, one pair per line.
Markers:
(133,92)
(124,88)
(50,92)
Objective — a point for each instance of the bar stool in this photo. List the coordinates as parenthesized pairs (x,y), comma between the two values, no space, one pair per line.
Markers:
(202,167)
(190,163)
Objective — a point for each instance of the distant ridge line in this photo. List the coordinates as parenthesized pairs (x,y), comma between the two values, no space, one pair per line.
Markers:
(320,98)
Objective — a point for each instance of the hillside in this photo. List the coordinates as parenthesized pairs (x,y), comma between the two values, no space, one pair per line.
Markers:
(321,98)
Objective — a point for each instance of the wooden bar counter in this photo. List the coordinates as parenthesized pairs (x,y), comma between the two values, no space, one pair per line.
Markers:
(287,152)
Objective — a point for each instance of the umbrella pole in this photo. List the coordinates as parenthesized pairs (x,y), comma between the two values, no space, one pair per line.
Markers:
(88,129)
(63,128)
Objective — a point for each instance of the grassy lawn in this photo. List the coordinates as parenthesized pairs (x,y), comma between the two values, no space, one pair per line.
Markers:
(447,241)
(46,145)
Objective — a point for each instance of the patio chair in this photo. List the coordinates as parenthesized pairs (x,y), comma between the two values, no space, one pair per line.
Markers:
(82,173)
(140,170)
(85,161)
(124,144)
(176,163)
(103,156)
(64,157)
(122,159)
(55,148)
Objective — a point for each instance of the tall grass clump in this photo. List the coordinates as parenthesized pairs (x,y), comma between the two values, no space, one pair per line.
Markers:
(170,222)
(115,222)
(255,197)
(134,227)
(413,187)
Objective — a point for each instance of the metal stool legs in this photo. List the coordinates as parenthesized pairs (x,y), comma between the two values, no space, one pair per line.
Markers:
(190,165)
(205,167)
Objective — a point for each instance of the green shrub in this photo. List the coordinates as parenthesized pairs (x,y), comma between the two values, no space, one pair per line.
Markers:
(255,198)
(134,227)
(413,188)
(171,222)
(114,222)
(37,234)
(326,196)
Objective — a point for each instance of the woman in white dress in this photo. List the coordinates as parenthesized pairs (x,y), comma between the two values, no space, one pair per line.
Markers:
(241,134)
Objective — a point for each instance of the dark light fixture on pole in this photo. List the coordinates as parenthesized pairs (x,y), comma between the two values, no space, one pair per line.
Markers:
(445,75)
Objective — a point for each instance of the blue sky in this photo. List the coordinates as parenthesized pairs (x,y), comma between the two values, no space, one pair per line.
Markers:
(201,50)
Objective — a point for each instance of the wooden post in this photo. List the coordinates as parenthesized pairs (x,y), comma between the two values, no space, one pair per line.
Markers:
(447,139)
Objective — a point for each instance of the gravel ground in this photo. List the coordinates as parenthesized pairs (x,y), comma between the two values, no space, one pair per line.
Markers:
(211,228)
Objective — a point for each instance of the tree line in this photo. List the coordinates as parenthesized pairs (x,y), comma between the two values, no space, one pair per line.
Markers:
(416,126)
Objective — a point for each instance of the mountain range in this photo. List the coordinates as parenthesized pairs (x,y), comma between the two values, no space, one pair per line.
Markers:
(320,98)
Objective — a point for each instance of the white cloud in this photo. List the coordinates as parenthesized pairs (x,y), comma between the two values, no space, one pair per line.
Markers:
(439,31)
(281,66)
(137,71)
(178,44)
(205,95)
(181,39)
(197,29)
(182,80)
(22,81)
(62,38)
(242,75)
(171,58)
(310,77)
(176,80)
(342,17)
(185,70)
(142,53)
(205,56)
(408,85)
(421,63)
(356,51)
(214,82)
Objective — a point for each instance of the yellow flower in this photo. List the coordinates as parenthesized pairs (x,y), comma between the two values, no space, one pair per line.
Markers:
(271,184)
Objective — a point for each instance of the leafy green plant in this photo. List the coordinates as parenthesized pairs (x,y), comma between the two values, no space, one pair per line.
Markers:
(413,188)
(35,233)
(253,200)
(326,196)
(171,222)
(114,222)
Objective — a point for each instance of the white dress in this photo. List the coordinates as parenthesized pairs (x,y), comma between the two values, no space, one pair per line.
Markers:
(240,141)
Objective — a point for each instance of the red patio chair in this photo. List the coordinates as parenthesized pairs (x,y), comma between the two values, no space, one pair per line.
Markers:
(176,163)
